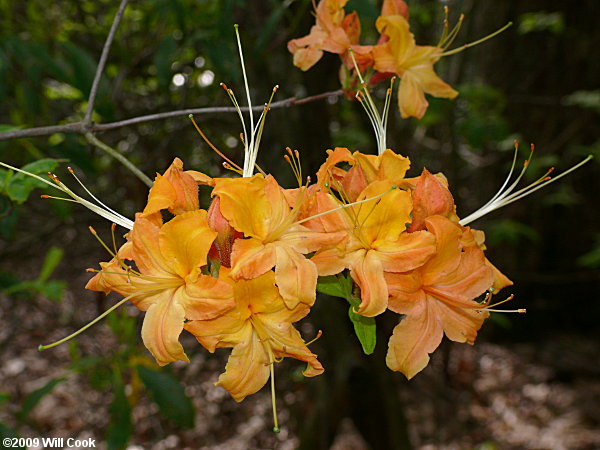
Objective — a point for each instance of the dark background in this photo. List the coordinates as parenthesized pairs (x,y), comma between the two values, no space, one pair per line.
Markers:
(531,381)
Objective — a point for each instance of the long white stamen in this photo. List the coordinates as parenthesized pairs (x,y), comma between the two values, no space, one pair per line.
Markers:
(102,211)
(378,122)
(506,197)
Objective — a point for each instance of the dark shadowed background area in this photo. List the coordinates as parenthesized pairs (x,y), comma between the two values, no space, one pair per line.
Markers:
(530,381)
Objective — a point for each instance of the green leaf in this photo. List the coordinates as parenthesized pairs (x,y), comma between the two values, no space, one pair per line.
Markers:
(20,185)
(34,398)
(53,258)
(53,289)
(331,286)
(364,327)
(119,427)
(169,395)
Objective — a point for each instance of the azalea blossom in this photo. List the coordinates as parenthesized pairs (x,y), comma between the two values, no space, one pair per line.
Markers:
(334,32)
(437,298)
(168,283)
(260,331)
(376,241)
(257,207)
(412,63)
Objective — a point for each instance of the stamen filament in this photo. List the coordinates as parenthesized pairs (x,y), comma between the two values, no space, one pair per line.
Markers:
(477,42)
(273,402)
(215,149)
(100,210)
(85,327)
(343,206)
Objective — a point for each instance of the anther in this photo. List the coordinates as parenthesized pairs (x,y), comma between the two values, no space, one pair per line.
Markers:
(224,86)
(92,231)
(275,88)
(44,196)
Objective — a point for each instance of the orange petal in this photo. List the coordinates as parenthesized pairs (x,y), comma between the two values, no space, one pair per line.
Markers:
(162,326)
(329,262)
(448,247)
(414,338)
(366,270)
(460,324)
(185,241)
(405,290)
(250,258)
(430,197)
(175,191)
(206,298)
(146,248)
(407,253)
(296,277)
(411,97)
(328,169)
(394,7)
(247,368)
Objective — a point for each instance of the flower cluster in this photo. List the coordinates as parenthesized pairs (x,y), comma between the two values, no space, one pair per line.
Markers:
(240,273)
(396,51)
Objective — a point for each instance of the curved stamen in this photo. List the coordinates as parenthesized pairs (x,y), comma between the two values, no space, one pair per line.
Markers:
(101,210)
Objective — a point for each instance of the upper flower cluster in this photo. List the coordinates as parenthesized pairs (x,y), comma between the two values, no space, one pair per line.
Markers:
(395,53)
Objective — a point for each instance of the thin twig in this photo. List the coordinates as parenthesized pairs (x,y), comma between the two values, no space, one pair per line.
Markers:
(292,101)
(79,127)
(119,157)
(103,57)
(76,127)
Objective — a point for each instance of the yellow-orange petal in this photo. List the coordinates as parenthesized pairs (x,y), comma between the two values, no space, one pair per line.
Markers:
(185,241)
(162,326)
(414,338)
(247,368)
(206,298)
(410,251)
(366,270)
(251,258)
(295,276)
(175,191)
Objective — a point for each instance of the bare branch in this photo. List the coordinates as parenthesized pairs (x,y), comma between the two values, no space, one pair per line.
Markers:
(76,127)
(119,157)
(292,101)
(79,127)
(103,57)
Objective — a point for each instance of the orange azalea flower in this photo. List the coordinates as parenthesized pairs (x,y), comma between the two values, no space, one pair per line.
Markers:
(260,331)
(176,190)
(334,32)
(376,242)
(257,207)
(437,298)
(413,63)
(168,283)
(365,170)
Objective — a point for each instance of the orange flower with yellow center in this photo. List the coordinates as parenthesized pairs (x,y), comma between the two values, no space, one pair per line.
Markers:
(260,331)
(334,32)
(168,283)
(413,63)
(257,207)
(437,298)
(376,241)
